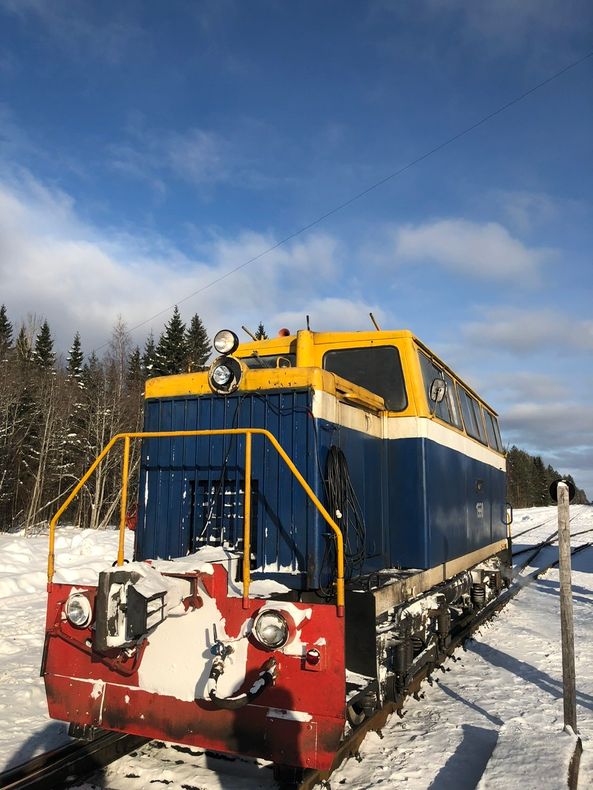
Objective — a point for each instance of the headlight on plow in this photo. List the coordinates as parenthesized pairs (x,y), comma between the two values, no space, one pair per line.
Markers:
(78,610)
(271,629)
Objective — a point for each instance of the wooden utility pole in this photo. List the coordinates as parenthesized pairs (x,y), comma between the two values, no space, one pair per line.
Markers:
(566,616)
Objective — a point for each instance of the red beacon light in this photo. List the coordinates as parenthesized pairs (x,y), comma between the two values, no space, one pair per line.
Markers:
(284,332)
(313,656)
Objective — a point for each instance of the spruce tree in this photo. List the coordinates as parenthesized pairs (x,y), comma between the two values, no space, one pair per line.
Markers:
(149,357)
(75,360)
(5,333)
(91,372)
(135,372)
(171,351)
(260,332)
(44,355)
(198,345)
(23,347)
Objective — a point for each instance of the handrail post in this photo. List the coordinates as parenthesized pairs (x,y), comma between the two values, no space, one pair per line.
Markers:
(125,472)
(54,521)
(247,522)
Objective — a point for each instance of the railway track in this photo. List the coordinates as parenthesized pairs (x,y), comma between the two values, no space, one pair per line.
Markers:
(71,763)
(63,765)
(351,744)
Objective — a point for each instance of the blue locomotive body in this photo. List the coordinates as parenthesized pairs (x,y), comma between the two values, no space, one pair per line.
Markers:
(423,502)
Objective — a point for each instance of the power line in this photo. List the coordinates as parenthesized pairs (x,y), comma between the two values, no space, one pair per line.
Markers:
(370,188)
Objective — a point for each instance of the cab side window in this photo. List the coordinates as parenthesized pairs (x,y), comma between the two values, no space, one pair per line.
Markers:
(472,416)
(493,433)
(447,409)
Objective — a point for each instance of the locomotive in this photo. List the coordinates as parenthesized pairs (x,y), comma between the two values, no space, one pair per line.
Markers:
(317,514)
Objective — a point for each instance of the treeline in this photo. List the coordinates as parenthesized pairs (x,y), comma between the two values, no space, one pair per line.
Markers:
(57,414)
(528,480)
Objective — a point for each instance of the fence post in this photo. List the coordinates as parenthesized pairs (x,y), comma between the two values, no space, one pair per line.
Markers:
(566,615)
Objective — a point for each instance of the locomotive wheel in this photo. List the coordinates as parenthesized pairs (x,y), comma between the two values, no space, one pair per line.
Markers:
(355,714)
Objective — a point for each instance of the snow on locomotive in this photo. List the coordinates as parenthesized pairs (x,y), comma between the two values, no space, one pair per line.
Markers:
(317,514)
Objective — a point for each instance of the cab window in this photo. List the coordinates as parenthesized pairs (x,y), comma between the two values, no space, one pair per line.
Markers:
(377,369)
(493,432)
(447,409)
(472,416)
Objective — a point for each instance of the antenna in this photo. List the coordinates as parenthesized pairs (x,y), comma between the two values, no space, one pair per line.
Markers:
(308,326)
(251,335)
(377,327)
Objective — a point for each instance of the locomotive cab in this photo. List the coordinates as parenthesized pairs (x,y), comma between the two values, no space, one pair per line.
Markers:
(314,513)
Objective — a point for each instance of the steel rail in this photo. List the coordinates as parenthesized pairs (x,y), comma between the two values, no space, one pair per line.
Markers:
(69,762)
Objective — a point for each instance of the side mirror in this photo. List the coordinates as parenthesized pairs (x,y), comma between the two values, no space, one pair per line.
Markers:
(437,391)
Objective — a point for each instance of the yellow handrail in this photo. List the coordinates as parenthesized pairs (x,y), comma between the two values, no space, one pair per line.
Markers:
(248,433)
(247,522)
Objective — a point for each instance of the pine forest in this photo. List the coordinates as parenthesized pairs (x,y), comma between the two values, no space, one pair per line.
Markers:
(56,415)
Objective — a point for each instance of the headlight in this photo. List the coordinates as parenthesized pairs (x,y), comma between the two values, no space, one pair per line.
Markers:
(225,374)
(271,629)
(221,375)
(225,341)
(78,610)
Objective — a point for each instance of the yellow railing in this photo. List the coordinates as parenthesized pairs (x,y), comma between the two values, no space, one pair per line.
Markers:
(248,433)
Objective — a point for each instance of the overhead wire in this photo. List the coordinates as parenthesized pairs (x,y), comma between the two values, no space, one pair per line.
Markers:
(344,204)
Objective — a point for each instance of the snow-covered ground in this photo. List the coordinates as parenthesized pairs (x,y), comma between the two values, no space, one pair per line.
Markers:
(506,689)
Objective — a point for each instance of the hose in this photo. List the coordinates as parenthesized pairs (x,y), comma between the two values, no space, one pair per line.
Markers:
(267,677)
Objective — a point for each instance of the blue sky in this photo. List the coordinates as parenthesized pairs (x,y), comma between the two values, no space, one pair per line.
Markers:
(148,148)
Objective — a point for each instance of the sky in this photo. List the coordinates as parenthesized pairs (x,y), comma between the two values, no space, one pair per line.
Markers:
(148,149)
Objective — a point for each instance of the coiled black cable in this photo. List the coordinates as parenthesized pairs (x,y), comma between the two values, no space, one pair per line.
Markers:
(344,507)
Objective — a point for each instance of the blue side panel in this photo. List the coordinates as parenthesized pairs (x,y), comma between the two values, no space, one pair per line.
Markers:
(442,504)
(450,502)
(406,495)
(191,488)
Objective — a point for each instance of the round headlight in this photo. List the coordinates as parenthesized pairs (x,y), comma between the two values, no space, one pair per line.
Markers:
(225,341)
(225,374)
(221,375)
(78,610)
(271,629)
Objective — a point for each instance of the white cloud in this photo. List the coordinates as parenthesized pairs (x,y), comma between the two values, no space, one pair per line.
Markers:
(507,24)
(55,265)
(199,156)
(521,330)
(528,210)
(333,313)
(476,250)
(246,157)
(561,431)
(79,28)
(539,29)
(521,386)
